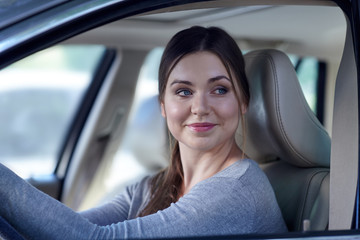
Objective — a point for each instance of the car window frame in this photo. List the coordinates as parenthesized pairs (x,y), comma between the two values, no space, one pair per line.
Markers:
(80,23)
(355,29)
(16,11)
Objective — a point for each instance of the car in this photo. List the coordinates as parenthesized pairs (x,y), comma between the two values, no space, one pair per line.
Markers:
(80,118)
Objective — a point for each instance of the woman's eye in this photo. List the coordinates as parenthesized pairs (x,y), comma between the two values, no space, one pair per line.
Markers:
(183,92)
(221,91)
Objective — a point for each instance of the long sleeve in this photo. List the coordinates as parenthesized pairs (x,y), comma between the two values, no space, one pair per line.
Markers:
(126,205)
(216,206)
(36,215)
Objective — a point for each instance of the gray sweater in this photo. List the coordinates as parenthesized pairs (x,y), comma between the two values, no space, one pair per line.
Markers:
(237,200)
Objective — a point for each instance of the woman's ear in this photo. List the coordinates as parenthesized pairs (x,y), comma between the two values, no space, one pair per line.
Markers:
(163,113)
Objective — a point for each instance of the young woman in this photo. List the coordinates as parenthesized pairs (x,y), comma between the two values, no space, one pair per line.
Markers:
(210,188)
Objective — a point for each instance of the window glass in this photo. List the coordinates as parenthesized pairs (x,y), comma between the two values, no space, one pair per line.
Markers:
(39,96)
(307,72)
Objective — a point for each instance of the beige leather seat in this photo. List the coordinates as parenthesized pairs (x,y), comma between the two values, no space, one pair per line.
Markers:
(287,140)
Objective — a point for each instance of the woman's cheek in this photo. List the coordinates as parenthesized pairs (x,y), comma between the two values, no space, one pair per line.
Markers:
(229,111)
(176,112)
(175,117)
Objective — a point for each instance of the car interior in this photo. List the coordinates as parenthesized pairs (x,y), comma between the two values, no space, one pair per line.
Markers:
(302,116)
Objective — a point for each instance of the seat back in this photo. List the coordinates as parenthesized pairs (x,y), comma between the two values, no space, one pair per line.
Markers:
(284,136)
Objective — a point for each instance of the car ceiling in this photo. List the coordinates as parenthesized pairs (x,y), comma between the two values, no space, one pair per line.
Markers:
(304,30)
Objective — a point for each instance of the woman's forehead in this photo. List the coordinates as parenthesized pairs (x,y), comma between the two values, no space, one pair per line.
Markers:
(197,65)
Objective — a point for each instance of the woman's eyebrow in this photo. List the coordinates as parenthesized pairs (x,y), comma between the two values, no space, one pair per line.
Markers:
(217,78)
(176,81)
(213,79)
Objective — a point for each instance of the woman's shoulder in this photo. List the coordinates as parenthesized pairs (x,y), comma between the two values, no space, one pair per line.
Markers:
(240,176)
(239,169)
(241,189)
(243,179)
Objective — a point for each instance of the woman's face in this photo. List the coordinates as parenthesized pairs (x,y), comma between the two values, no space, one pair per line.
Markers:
(200,103)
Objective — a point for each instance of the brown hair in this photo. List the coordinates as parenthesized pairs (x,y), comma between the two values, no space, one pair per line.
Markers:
(166,185)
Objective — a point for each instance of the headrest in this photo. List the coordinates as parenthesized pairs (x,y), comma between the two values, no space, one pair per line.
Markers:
(280,124)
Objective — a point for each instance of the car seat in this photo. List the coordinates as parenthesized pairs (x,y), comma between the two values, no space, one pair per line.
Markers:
(287,140)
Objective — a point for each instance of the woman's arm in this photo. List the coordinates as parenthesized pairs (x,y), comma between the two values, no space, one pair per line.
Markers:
(126,205)
(36,215)
(213,207)
(7,232)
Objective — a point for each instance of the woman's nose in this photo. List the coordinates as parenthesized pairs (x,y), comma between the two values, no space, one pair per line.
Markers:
(200,105)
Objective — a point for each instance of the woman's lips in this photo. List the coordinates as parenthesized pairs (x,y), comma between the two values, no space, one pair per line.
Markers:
(201,127)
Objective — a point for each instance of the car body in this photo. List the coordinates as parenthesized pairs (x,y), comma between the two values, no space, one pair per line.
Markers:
(114,134)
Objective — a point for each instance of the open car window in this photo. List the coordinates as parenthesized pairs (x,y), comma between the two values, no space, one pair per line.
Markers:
(39,97)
